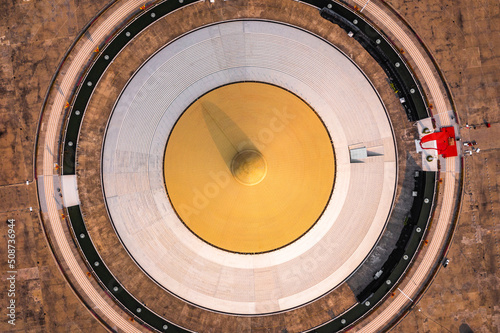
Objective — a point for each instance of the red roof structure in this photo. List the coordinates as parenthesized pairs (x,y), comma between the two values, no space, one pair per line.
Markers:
(445,141)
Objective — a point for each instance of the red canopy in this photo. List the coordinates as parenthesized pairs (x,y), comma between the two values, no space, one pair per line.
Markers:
(445,141)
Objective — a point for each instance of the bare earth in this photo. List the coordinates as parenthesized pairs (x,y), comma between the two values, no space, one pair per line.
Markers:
(463,37)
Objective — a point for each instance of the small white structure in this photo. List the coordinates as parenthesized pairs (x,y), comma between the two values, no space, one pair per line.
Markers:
(429,156)
(358,154)
(69,190)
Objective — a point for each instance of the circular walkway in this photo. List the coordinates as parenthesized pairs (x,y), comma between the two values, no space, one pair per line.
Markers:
(157,96)
(155,301)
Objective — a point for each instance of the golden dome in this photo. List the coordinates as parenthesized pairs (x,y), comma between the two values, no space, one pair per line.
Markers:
(249,167)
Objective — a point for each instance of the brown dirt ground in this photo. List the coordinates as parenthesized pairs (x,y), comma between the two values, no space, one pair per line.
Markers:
(463,36)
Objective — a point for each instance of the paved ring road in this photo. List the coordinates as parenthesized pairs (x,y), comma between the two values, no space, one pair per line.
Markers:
(53,116)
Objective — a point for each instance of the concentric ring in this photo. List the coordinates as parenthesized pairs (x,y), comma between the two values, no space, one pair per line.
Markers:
(145,115)
(116,272)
